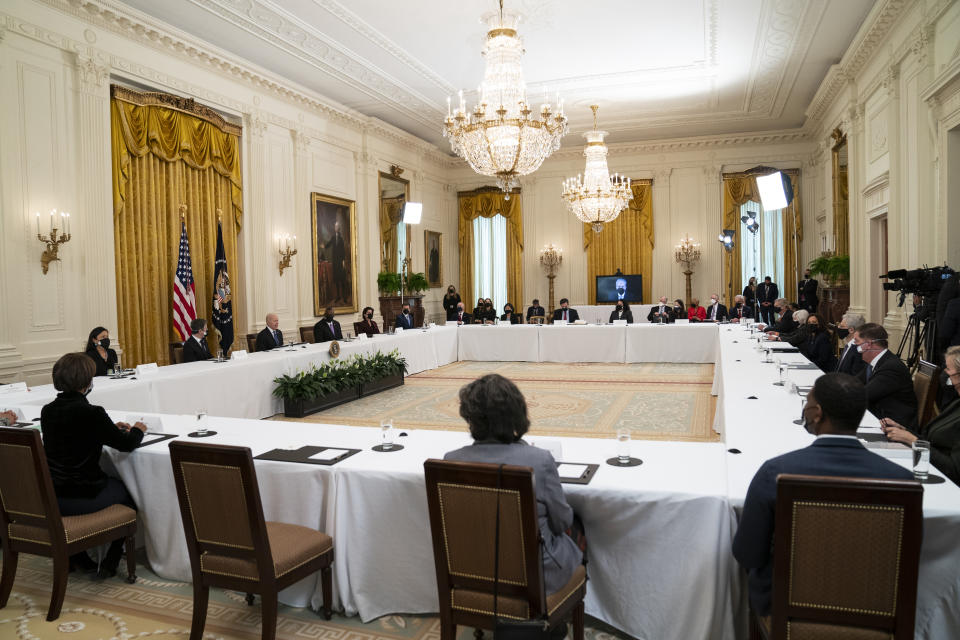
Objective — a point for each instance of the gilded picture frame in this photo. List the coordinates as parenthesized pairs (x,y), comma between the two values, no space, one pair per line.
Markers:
(433,257)
(333,223)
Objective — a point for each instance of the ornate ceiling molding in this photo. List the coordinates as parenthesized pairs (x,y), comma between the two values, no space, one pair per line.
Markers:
(694,144)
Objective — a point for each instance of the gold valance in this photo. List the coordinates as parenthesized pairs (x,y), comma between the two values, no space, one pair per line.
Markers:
(486,203)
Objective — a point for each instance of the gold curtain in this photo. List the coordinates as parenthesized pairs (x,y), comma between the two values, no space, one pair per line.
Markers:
(738,188)
(488,202)
(625,244)
(164,156)
(792,237)
(390,213)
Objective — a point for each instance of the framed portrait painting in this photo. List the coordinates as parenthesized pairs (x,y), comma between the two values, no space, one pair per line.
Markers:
(334,233)
(433,258)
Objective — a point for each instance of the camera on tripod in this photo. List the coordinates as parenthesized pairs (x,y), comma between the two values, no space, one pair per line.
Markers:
(923,282)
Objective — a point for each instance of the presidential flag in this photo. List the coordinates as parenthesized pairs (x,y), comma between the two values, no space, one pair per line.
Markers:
(222,305)
(184,295)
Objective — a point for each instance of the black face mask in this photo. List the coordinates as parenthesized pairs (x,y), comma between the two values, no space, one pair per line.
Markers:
(369,316)
(328,317)
(105,343)
(619,307)
(406,312)
(813,328)
(843,333)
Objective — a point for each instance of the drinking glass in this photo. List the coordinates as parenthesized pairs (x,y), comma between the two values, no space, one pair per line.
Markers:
(202,421)
(623,446)
(803,403)
(118,367)
(387,434)
(921,459)
(219,355)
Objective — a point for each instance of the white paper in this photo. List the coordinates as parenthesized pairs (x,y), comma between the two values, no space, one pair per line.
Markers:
(238,355)
(619,322)
(328,454)
(146,368)
(13,387)
(567,470)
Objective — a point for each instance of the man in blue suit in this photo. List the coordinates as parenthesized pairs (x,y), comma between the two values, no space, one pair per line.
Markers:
(833,411)
(404,319)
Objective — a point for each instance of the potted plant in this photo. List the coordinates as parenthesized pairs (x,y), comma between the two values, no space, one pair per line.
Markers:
(388,283)
(416,282)
(834,269)
(385,371)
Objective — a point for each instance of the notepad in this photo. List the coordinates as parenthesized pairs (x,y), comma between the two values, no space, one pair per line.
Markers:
(331,453)
(567,470)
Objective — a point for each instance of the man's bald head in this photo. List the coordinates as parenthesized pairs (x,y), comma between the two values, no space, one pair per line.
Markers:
(273,321)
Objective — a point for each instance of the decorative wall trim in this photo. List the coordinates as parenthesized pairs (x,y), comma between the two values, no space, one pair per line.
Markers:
(694,144)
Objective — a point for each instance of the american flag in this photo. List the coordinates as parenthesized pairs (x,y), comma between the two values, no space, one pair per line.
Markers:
(184,298)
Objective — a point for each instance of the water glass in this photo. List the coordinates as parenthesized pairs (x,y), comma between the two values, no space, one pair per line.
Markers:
(803,403)
(387,434)
(921,459)
(623,446)
(219,355)
(118,367)
(202,421)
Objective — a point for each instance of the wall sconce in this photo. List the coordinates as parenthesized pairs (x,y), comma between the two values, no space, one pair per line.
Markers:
(286,250)
(53,240)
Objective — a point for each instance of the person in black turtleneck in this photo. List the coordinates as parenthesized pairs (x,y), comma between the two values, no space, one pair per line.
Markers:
(98,348)
(622,312)
(74,434)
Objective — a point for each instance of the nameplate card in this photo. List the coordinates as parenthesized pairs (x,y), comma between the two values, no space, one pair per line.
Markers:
(398,330)
(620,322)
(362,336)
(13,387)
(143,369)
(239,355)
(559,322)
(684,321)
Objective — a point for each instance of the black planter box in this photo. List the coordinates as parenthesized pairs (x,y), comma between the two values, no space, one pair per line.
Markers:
(389,382)
(303,407)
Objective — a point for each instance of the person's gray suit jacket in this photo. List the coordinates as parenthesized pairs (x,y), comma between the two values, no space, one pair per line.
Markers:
(560,553)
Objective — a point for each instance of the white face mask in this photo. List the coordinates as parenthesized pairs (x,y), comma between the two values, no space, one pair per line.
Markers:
(713,301)
(949,381)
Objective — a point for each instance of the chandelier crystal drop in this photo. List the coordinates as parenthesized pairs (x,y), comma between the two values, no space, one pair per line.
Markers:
(597,197)
(502,137)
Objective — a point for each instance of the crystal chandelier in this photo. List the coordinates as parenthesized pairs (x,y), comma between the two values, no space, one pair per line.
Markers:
(598,197)
(501,137)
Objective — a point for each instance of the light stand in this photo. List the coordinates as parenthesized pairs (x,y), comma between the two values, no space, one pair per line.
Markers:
(726,238)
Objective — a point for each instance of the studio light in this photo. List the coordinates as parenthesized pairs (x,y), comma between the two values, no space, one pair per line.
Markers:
(775,191)
(412,212)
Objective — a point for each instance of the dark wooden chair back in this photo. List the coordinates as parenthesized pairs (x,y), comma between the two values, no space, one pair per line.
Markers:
(176,353)
(536,320)
(306,334)
(28,504)
(846,557)
(251,342)
(925,381)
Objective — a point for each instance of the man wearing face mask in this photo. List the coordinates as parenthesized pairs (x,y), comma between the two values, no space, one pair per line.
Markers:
(740,310)
(195,348)
(450,301)
(832,413)
(98,348)
(717,311)
(661,313)
(368,325)
(807,290)
(327,329)
(889,385)
(270,337)
(622,312)
(786,323)
(565,312)
(850,360)
(462,317)
(404,319)
(767,294)
(535,310)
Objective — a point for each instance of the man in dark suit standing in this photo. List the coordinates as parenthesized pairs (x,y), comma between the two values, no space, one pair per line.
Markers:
(850,360)
(767,294)
(535,310)
(565,312)
(404,319)
(195,348)
(807,291)
(270,337)
(327,329)
(948,334)
(833,411)
(717,311)
(661,313)
(461,316)
(889,386)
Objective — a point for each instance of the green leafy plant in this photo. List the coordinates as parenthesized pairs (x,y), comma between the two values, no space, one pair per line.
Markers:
(338,375)
(416,282)
(388,282)
(834,269)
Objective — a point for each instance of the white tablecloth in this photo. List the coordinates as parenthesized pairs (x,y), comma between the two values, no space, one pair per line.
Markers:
(520,342)
(601,312)
(582,343)
(671,343)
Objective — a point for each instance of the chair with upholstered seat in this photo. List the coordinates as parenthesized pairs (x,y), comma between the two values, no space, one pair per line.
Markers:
(462,499)
(30,520)
(846,558)
(230,544)
(925,381)
(306,334)
(176,353)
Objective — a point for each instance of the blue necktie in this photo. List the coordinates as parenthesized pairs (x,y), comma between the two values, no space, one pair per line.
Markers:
(869,371)
(275,338)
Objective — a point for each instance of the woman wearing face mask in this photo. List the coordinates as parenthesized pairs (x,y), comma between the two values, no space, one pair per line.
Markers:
(819,347)
(74,434)
(509,315)
(750,295)
(450,301)
(98,348)
(696,313)
(479,311)
(622,312)
(679,309)
(367,325)
(489,312)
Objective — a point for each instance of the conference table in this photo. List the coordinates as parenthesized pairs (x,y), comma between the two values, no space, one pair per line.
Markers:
(660,534)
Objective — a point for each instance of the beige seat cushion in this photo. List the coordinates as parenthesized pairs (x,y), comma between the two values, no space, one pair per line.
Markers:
(482,601)
(819,631)
(78,527)
(292,546)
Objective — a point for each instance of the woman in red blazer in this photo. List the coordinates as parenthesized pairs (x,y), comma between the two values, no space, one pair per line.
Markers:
(696,313)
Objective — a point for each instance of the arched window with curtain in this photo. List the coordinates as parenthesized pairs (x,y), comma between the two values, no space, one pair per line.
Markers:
(490,234)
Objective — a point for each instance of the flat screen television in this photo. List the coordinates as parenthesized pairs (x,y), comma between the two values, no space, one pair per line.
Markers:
(621,287)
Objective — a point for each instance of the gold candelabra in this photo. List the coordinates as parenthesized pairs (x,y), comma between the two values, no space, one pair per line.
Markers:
(687,253)
(286,250)
(56,237)
(550,257)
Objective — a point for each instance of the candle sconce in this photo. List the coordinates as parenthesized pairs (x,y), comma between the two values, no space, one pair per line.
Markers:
(56,237)
(286,250)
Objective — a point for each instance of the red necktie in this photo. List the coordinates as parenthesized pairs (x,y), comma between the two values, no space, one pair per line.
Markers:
(564,315)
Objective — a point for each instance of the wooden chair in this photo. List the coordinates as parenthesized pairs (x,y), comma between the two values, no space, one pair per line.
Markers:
(252,342)
(176,353)
(846,557)
(306,334)
(536,320)
(230,544)
(30,520)
(461,498)
(925,381)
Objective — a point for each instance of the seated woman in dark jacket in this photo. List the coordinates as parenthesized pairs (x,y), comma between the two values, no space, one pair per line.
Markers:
(368,325)
(818,348)
(496,412)
(74,433)
(98,348)
(479,311)
(509,315)
(622,312)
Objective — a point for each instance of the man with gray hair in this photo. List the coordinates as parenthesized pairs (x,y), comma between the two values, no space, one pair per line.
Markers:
(850,361)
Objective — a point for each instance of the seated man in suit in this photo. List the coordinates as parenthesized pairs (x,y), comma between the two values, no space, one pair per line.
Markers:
(889,385)
(195,348)
(833,411)
(717,311)
(535,310)
(404,319)
(565,312)
(270,337)
(850,360)
(740,309)
(461,316)
(327,328)
(661,313)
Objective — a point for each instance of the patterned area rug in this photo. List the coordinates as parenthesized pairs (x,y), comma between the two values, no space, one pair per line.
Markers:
(160,610)
(656,401)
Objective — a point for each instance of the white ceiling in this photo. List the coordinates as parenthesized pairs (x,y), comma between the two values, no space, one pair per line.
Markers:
(657,69)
